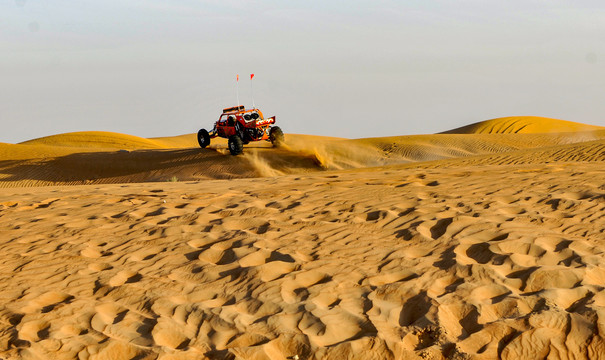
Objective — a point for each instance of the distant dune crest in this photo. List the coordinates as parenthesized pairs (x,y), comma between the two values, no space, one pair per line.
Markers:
(96,139)
(523,125)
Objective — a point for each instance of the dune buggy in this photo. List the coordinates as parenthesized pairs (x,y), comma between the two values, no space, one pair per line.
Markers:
(241,126)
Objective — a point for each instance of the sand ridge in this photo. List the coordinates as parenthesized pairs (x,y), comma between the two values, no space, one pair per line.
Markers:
(523,125)
(97,139)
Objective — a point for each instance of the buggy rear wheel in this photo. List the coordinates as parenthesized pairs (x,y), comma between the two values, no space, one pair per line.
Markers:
(276,136)
(236,146)
(203,138)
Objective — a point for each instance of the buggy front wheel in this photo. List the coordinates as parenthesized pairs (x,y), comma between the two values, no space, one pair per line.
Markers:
(203,138)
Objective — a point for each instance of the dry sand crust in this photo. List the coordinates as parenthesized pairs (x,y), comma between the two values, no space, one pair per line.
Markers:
(342,249)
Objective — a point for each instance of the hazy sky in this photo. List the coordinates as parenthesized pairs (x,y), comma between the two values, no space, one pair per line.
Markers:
(354,68)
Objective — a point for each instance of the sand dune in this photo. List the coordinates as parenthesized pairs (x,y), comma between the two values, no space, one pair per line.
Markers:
(104,158)
(524,125)
(97,139)
(458,246)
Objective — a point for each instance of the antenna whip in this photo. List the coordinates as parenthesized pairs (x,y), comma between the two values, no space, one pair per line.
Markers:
(251,91)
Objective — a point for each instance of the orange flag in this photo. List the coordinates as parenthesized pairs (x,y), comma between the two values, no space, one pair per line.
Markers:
(237,77)
(251,76)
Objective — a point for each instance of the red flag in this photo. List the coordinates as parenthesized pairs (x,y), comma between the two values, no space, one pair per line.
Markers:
(237,77)
(251,76)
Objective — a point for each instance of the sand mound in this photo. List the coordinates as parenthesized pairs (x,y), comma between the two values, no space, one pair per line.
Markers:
(97,139)
(523,125)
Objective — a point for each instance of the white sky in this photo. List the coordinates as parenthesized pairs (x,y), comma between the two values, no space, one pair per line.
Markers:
(355,68)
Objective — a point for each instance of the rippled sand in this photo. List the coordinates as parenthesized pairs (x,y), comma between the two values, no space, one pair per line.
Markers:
(436,246)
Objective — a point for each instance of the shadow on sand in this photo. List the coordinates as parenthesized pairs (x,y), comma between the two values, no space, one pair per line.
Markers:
(127,166)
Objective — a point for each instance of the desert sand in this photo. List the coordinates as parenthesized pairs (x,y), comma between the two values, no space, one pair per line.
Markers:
(478,243)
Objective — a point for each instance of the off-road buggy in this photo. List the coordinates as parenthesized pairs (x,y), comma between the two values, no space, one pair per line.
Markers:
(241,126)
